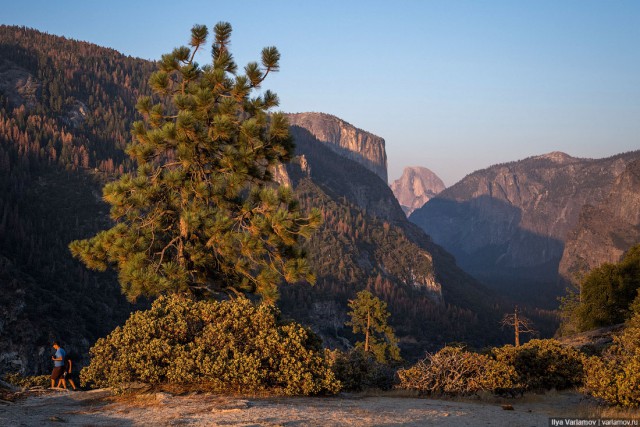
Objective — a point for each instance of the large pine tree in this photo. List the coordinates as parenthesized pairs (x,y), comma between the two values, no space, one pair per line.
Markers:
(201,214)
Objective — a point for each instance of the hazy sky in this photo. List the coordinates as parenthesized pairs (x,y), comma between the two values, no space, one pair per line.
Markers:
(455,86)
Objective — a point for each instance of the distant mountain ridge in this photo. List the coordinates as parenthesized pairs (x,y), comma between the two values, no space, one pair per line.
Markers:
(507,224)
(605,231)
(415,187)
(345,139)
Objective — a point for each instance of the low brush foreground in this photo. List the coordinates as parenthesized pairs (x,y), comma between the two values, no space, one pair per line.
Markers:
(234,362)
(224,347)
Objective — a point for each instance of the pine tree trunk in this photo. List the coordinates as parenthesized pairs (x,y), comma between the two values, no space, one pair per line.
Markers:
(366,334)
(183,236)
(516,327)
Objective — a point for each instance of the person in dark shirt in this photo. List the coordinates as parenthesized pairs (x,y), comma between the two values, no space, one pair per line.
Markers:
(58,363)
(67,375)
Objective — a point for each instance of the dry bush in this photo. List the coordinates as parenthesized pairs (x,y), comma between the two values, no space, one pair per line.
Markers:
(454,371)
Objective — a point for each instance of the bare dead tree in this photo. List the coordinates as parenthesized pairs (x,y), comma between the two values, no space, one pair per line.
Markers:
(520,324)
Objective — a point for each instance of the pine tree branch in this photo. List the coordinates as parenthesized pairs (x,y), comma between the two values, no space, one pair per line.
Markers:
(175,239)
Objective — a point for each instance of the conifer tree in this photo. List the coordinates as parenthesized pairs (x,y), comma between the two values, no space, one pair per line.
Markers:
(369,316)
(201,213)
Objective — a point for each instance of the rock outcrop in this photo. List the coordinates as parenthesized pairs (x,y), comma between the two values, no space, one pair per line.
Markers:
(605,231)
(507,224)
(415,187)
(345,139)
(18,85)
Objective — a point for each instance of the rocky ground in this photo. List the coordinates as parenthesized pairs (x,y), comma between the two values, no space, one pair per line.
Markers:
(100,408)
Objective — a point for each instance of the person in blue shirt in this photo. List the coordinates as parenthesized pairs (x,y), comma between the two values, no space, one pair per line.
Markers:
(58,363)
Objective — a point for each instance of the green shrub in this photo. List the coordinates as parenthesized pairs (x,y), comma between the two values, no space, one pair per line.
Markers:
(216,346)
(453,371)
(615,377)
(543,364)
(19,380)
(357,370)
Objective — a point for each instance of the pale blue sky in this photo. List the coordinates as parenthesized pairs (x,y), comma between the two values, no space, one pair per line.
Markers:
(451,85)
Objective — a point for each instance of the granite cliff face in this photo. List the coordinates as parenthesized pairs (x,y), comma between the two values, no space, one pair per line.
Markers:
(346,140)
(605,231)
(507,224)
(358,184)
(415,187)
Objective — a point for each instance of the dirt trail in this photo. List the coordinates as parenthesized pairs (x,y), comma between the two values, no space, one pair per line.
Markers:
(96,408)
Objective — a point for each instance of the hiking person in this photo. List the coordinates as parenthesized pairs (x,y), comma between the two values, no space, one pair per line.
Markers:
(58,363)
(67,375)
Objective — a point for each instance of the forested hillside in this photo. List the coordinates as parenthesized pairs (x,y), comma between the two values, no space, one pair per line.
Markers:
(65,112)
